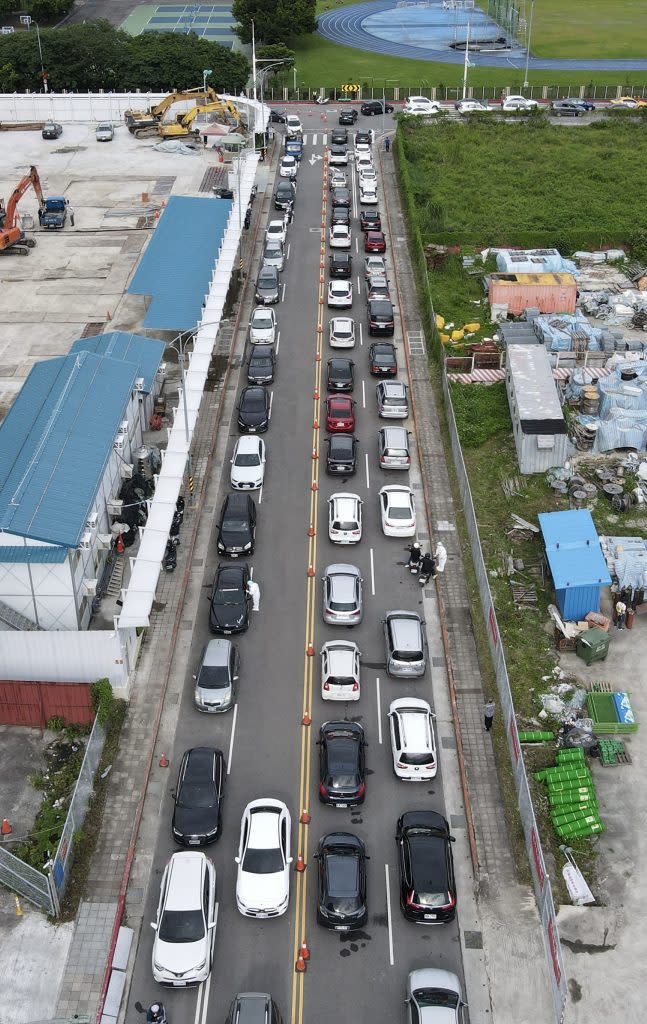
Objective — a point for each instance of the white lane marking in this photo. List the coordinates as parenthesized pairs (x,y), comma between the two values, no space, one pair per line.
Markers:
(363,395)
(198,1003)
(356,246)
(372,573)
(361,339)
(288,252)
(283,291)
(358,284)
(271,400)
(379,709)
(260,495)
(231,740)
(207,987)
(388,914)
(314,139)
(278,342)
(367,479)
(324,140)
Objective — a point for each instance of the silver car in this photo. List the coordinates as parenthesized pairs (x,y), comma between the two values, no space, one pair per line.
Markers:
(105,132)
(393,448)
(342,595)
(217,676)
(392,402)
(434,997)
(273,254)
(404,642)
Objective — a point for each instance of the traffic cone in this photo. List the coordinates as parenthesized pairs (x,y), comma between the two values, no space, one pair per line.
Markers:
(164,761)
(300,965)
(120,544)
(311,571)
(311,531)
(300,865)
(6,829)
(319,328)
(306,720)
(315,424)
(315,394)
(321,264)
(304,952)
(314,454)
(310,650)
(321,279)
(318,357)
(314,486)
(305,820)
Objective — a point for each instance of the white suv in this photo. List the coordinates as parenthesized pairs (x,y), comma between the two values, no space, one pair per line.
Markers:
(185,928)
(412,739)
(340,670)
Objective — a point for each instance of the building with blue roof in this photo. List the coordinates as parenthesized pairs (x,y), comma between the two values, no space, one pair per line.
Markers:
(576,561)
(177,265)
(63,444)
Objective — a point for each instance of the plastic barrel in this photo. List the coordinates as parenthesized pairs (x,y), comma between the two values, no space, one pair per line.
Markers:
(535,736)
(570,756)
(585,826)
(571,795)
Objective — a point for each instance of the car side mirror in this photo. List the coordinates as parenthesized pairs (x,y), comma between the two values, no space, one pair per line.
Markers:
(237,860)
(452,839)
(290,859)
(195,677)
(154,925)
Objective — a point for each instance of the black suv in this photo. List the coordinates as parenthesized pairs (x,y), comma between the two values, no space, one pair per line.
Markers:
(230,601)
(340,215)
(341,374)
(342,768)
(427,884)
(348,116)
(375,107)
(284,195)
(341,459)
(341,902)
(341,264)
(380,317)
(254,1008)
(339,137)
(364,137)
(237,526)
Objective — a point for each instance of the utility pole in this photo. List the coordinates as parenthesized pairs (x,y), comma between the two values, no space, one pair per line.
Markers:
(254,61)
(467,61)
(532,8)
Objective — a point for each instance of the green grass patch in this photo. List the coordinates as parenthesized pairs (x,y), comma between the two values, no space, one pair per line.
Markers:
(589,29)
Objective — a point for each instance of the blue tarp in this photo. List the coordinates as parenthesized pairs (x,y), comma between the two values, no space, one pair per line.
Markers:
(534,261)
(623,707)
(576,561)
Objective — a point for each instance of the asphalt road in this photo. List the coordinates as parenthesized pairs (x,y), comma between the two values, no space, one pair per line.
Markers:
(271,754)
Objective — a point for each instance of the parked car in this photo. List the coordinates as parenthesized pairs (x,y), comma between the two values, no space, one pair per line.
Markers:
(340,293)
(237,525)
(377,287)
(340,374)
(341,197)
(254,410)
(341,264)
(345,518)
(273,254)
(339,137)
(404,642)
(341,332)
(261,366)
(230,601)
(519,103)
(382,358)
(293,124)
(277,230)
(374,265)
(338,156)
(338,178)
(374,241)
(366,174)
(340,237)
(262,326)
(340,414)
(51,130)
(413,742)
(473,107)
(340,215)
(364,138)
(342,595)
(340,670)
(629,102)
(342,768)
(363,159)
(367,192)
(198,797)
(370,220)
(566,108)
(186,921)
(254,1008)
(372,107)
(397,511)
(217,677)
(104,132)
(341,458)
(380,317)
(276,117)
(583,103)
(284,194)
(267,286)
(348,115)
(393,448)
(341,890)
(248,460)
(263,880)
(392,401)
(421,105)
(289,167)
(434,997)
(427,885)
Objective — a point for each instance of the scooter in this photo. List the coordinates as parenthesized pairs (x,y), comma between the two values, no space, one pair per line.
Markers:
(156,1014)
(170,557)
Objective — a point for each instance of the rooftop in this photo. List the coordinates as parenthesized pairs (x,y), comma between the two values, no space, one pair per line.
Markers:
(145,353)
(535,391)
(573,549)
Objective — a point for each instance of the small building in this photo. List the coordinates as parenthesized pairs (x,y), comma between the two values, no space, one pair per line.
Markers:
(538,422)
(549,293)
(576,561)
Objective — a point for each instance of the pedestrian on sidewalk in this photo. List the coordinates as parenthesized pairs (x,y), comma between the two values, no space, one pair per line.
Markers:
(440,557)
(488,714)
(621,614)
(387,143)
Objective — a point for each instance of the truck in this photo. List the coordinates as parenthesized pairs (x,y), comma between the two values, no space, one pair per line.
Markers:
(294,147)
(52,213)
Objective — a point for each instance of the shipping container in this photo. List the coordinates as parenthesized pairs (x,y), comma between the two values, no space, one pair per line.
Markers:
(550,293)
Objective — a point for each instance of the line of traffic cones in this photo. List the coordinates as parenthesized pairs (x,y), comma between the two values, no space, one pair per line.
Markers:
(303,957)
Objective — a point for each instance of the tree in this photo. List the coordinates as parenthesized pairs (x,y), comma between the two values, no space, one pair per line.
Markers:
(274,20)
(275,51)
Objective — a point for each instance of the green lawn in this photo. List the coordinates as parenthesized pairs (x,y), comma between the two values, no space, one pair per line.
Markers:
(589,29)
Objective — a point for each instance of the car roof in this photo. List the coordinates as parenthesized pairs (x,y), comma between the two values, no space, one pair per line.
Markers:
(340,363)
(200,762)
(339,401)
(216,653)
(345,505)
(393,388)
(341,659)
(383,346)
(264,827)
(399,497)
(345,320)
(232,575)
(396,437)
(345,442)
(424,819)
(259,352)
(186,871)
(434,977)
(252,1008)
(338,285)
(267,271)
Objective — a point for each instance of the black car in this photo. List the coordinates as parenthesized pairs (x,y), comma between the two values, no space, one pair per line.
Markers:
(284,194)
(230,602)
(267,286)
(427,884)
(341,374)
(370,220)
(262,365)
(341,459)
(380,318)
(340,215)
(341,897)
(276,117)
(237,526)
(341,264)
(382,359)
(51,130)
(254,410)
(348,116)
(567,108)
(341,197)
(364,137)
(198,797)
(375,107)
(342,769)
(339,137)
(584,104)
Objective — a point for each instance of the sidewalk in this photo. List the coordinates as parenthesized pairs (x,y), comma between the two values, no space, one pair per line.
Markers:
(511,936)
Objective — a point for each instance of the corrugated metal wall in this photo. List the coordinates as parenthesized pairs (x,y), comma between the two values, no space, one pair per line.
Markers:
(533,459)
(548,298)
(67,656)
(34,703)
(575,602)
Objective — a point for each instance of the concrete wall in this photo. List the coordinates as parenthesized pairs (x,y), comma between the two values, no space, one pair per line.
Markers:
(68,656)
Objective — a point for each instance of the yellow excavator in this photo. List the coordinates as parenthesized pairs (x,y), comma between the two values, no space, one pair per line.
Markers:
(182,127)
(146,124)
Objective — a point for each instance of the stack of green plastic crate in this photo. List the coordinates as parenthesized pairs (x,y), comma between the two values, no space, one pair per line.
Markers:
(571,795)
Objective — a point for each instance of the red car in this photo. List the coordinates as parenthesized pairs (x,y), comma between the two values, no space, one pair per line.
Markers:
(374,241)
(340,414)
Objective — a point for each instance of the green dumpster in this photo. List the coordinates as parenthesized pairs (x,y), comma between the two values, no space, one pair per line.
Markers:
(592,645)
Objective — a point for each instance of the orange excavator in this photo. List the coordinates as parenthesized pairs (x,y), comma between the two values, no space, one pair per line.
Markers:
(13,241)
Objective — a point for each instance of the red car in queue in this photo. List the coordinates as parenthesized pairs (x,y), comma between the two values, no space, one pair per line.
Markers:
(340,414)
(374,241)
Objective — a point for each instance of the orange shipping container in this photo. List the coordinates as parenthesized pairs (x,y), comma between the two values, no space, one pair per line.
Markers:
(550,293)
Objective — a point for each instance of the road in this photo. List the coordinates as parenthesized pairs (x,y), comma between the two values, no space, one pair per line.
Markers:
(271,753)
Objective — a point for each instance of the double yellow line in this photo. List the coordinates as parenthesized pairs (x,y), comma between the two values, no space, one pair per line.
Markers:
(296,1016)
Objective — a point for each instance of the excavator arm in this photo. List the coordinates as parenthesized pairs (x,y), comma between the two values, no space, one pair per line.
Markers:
(160,108)
(32,179)
(225,108)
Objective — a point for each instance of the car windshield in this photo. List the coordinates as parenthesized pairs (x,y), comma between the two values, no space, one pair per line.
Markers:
(214,677)
(431,899)
(391,400)
(263,862)
(197,795)
(397,512)
(396,453)
(245,459)
(416,758)
(227,595)
(341,524)
(436,997)
(266,280)
(181,926)
(382,357)
(255,403)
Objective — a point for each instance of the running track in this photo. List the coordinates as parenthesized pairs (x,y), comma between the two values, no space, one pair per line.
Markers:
(345,27)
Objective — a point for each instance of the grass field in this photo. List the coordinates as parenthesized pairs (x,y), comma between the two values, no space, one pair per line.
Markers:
(592,29)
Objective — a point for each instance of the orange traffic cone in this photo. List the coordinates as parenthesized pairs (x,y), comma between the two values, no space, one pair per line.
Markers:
(300,864)
(6,829)
(315,456)
(310,650)
(306,720)
(304,820)
(315,424)
(164,761)
(311,571)
(120,544)
(311,530)
(314,486)
(304,952)
(315,394)
(318,357)
(300,965)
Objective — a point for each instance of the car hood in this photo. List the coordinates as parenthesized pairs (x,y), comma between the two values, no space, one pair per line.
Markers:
(228,615)
(235,537)
(191,821)
(262,891)
(243,474)
(214,694)
(179,957)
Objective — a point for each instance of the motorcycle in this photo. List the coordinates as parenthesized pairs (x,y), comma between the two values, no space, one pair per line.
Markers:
(415,558)
(170,557)
(156,1014)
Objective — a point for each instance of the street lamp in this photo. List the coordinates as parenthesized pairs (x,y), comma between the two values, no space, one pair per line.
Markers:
(264,71)
(26,19)
(386,82)
(205,74)
(532,8)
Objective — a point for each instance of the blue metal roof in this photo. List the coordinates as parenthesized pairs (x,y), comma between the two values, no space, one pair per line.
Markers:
(145,353)
(34,553)
(176,267)
(55,443)
(573,549)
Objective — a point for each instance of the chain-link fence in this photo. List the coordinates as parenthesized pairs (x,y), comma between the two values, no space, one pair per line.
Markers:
(28,882)
(398,92)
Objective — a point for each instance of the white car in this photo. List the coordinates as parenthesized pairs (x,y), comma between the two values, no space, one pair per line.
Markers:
(413,742)
(277,231)
(338,178)
(288,167)
(248,463)
(367,173)
(363,162)
(339,237)
(434,997)
(340,670)
(367,193)
(185,927)
(398,511)
(340,293)
(473,107)
(518,103)
(262,326)
(293,125)
(345,518)
(342,332)
(263,882)
(105,132)
(421,105)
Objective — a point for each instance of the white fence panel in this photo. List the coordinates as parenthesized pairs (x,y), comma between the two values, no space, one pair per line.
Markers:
(65,656)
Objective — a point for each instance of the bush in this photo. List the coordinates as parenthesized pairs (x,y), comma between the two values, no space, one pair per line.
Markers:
(102,699)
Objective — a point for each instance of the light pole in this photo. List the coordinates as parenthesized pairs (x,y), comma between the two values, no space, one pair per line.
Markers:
(264,71)
(27,20)
(206,72)
(253,61)
(532,8)
(386,82)
(294,72)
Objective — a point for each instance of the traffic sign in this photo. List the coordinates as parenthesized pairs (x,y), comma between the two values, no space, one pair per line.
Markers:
(350,88)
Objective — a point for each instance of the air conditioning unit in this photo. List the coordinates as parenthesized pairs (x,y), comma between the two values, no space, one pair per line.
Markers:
(125,470)
(92,521)
(104,540)
(123,427)
(90,587)
(86,541)
(139,384)
(119,442)
(114,507)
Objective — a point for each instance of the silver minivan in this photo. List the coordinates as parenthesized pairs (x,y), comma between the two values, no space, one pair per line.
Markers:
(217,677)
(404,642)
(393,448)
(392,403)
(273,254)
